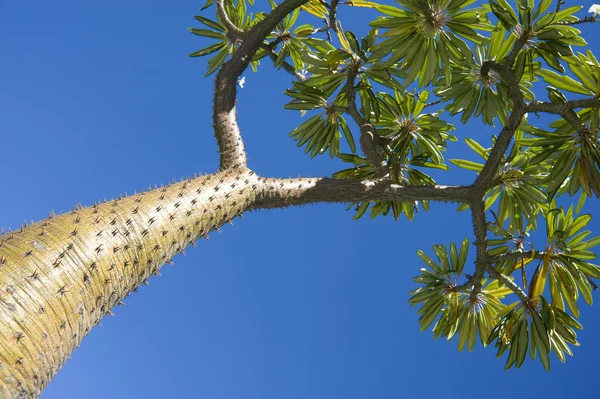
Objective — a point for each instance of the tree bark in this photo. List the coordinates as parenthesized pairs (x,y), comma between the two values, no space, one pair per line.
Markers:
(60,276)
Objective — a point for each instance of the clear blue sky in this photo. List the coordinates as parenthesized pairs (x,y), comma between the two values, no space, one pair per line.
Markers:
(99,98)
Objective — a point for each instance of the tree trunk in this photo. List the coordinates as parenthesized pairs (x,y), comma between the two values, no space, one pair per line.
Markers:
(60,276)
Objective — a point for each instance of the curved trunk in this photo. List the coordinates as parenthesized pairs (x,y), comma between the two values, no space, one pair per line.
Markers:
(60,276)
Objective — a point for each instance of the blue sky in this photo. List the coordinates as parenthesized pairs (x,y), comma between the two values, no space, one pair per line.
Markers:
(100,98)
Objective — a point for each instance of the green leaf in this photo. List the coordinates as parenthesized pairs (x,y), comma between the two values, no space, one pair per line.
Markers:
(563,82)
(469,165)
(209,49)
(578,224)
(347,134)
(207,33)
(420,103)
(207,4)
(475,146)
(210,23)
(215,62)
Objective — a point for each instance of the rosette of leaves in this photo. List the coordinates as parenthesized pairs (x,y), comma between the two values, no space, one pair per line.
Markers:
(537,330)
(507,243)
(225,46)
(408,133)
(322,131)
(424,36)
(517,190)
(411,140)
(564,263)
(563,271)
(574,148)
(566,260)
(287,41)
(478,90)
(331,69)
(575,154)
(452,307)
(323,59)
(543,35)
(318,57)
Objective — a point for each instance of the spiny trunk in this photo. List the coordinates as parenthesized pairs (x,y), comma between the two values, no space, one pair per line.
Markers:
(60,276)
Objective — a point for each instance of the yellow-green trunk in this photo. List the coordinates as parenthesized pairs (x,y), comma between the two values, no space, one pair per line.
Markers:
(60,276)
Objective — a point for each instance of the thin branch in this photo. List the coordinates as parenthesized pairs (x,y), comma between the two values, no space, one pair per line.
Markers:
(431,104)
(482,259)
(521,41)
(508,282)
(332,23)
(368,134)
(286,66)
(559,108)
(566,110)
(488,173)
(281,193)
(588,19)
(233,32)
(256,35)
(517,256)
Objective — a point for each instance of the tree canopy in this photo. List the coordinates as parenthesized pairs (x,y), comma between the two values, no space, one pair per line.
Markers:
(419,63)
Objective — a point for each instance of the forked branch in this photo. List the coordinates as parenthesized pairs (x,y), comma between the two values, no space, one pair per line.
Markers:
(279,193)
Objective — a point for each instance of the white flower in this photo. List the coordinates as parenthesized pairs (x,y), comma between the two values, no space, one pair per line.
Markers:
(242,81)
(594,9)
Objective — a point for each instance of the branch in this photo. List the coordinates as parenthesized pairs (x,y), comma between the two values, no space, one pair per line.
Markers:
(233,32)
(269,48)
(560,108)
(510,58)
(431,104)
(368,134)
(227,132)
(508,282)
(254,37)
(332,23)
(588,19)
(286,66)
(566,110)
(518,255)
(490,168)
(282,193)
(482,261)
